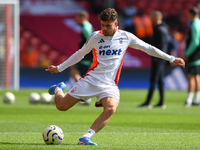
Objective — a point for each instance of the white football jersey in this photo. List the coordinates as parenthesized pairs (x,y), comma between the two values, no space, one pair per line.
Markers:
(108,54)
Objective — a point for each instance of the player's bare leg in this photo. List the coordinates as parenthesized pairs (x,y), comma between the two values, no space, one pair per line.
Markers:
(197,81)
(109,105)
(191,89)
(64,102)
(191,79)
(197,90)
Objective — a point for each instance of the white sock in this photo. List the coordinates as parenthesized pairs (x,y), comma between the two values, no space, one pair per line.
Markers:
(189,98)
(89,133)
(57,89)
(196,98)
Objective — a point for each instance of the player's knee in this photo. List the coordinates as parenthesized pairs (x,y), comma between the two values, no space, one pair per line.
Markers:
(110,110)
(61,107)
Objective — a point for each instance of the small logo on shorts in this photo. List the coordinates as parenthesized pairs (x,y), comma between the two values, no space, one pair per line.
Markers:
(74,89)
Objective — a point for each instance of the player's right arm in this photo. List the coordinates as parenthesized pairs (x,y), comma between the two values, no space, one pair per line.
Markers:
(73,59)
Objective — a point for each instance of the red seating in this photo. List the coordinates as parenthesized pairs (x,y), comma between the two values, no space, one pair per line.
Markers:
(27,35)
(61,60)
(23,44)
(36,42)
(45,48)
(120,4)
(166,6)
(53,56)
(27,40)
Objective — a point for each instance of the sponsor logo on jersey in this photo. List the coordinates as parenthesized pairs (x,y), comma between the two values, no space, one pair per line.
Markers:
(101,41)
(106,46)
(110,52)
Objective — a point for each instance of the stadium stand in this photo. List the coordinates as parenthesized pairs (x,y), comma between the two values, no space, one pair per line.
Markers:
(48,26)
(57,41)
(46,55)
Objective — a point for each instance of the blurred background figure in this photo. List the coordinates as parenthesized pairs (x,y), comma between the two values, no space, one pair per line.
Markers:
(80,69)
(143,26)
(192,55)
(128,12)
(30,57)
(159,40)
(55,34)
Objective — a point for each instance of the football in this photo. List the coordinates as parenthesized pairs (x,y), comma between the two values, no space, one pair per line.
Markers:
(53,135)
(45,98)
(9,97)
(34,98)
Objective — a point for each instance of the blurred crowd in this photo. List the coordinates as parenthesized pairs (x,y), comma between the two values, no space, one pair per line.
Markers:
(134,16)
(36,53)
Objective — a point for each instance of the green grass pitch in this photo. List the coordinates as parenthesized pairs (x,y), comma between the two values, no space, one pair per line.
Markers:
(130,128)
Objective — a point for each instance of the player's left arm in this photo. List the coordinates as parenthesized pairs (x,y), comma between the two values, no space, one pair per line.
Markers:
(179,62)
(153,51)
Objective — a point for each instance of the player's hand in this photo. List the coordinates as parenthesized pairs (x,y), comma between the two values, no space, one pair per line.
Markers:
(180,62)
(53,69)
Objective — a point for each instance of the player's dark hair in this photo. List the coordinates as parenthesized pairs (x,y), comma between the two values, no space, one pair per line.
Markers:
(194,11)
(108,14)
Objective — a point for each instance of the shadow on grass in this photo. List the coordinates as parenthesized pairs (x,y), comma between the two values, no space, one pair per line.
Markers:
(7,143)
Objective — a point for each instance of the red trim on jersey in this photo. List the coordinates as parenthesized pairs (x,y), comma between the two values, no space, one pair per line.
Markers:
(95,62)
(101,32)
(119,70)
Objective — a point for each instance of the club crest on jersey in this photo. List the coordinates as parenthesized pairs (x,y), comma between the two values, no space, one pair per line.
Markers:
(101,41)
(121,40)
